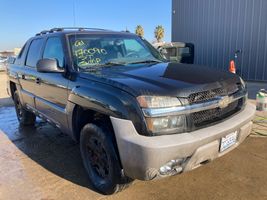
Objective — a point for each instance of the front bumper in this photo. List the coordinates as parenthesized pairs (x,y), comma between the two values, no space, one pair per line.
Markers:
(142,156)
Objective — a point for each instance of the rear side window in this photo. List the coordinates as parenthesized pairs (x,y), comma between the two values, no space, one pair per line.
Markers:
(21,51)
(34,52)
(53,49)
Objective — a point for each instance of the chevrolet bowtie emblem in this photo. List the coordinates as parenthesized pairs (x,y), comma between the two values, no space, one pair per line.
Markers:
(224,102)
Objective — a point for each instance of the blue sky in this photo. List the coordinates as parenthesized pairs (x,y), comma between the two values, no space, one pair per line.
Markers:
(20,19)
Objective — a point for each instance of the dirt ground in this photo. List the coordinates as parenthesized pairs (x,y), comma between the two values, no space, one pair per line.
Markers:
(5,100)
(3,92)
(42,163)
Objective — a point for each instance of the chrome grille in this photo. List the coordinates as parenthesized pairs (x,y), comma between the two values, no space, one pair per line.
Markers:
(205,117)
(206,95)
(210,94)
(208,116)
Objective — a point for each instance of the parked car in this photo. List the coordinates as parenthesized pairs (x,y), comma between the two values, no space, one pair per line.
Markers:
(3,62)
(177,51)
(135,115)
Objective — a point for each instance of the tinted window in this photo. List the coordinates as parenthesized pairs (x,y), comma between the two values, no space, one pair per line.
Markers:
(34,52)
(53,49)
(171,51)
(184,50)
(21,51)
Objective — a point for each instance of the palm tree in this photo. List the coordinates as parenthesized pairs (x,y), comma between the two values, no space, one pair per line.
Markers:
(159,33)
(139,31)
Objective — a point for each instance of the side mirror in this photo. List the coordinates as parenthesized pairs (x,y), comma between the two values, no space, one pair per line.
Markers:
(48,65)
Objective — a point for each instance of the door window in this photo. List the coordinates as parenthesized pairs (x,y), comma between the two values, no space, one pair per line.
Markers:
(34,52)
(54,50)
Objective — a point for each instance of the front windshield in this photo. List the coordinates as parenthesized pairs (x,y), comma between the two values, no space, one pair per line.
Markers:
(90,50)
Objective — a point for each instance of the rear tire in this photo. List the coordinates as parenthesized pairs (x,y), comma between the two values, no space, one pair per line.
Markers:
(25,117)
(101,160)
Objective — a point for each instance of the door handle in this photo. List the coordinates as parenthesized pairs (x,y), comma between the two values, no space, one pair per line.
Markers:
(37,80)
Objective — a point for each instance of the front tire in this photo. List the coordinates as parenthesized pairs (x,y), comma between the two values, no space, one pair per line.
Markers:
(25,117)
(101,160)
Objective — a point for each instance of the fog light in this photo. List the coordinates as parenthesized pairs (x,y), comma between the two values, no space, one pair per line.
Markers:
(165,169)
(172,167)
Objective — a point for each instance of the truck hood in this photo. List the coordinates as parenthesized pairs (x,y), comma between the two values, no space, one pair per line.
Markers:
(164,79)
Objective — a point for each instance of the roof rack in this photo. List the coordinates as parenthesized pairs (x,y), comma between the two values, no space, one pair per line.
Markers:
(53,30)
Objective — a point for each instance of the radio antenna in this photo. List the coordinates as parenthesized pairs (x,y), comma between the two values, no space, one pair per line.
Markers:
(74,13)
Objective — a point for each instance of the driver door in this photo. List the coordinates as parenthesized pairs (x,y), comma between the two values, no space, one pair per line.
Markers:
(51,91)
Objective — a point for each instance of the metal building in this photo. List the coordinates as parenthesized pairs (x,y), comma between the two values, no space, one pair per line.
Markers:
(219,28)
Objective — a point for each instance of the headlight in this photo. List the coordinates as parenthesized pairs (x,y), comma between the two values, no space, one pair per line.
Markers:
(170,124)
(158,101)
(163,124)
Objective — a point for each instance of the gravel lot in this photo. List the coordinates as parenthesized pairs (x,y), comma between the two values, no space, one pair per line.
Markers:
(42,163)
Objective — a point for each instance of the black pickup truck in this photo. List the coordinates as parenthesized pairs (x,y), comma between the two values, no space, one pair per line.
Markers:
(135,115)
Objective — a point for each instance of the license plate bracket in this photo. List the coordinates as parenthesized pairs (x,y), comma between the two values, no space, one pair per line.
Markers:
(228,141)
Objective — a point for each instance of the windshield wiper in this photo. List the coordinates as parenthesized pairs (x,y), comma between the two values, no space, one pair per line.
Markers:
(146,61)
(110,64)
(99,66)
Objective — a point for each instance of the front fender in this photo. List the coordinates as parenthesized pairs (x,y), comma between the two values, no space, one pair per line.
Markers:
(109,102)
